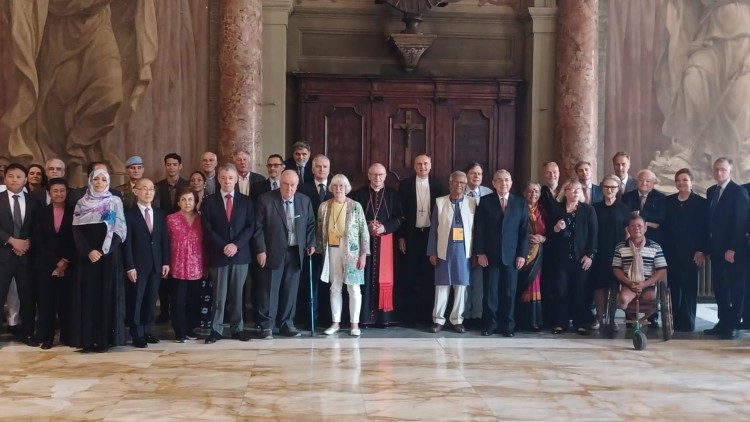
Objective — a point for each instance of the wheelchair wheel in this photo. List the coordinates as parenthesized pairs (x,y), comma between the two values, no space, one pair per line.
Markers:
(639,340)
(610,313)
(667,325)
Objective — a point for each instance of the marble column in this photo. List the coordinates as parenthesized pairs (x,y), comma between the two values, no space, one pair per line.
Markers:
(275,23)
(240,78)
(576,82)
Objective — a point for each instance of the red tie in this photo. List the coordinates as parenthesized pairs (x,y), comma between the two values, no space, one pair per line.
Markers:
(229,207)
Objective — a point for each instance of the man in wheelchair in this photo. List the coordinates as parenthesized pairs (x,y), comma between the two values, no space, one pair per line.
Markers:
(638,265)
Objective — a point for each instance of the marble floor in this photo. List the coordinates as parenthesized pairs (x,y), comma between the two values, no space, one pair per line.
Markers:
(392,374)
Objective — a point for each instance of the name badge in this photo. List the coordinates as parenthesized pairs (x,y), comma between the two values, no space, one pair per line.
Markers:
(458,234)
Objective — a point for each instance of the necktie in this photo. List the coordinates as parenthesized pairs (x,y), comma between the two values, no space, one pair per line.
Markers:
(289,221)
(301,173)
(503,204)
(472,194)
(229,207)
(17,220)
(643,201)
(172,191)
(322,192)
(715,199)
(274,185)
(149,220)
(622,188)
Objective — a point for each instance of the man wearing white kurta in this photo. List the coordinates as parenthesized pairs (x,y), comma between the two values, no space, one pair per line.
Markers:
(449,249)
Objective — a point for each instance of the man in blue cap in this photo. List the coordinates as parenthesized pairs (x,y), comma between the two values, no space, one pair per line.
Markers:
(134,169)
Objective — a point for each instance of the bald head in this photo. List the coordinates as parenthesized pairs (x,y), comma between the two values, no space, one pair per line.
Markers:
(54,168)
(289,182)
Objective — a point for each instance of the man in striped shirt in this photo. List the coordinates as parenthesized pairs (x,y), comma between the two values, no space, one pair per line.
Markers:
(638,264)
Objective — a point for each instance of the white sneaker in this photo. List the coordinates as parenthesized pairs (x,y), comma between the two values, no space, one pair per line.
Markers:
(332,330)
(356,332)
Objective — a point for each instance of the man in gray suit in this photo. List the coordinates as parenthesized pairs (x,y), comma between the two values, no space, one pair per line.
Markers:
(285,231)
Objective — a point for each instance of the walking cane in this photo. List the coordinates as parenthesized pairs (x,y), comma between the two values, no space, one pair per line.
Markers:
(312,297)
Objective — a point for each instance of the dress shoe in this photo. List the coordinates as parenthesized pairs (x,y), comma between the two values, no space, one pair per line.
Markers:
(730,334)
(487,333)
(266,334)
(745,325)
(716,330)
(190,335)
(290,332)
(509,333)
(582,331)
(181,340)
(162,318)
(459,328)
(140,343)
(30,341)
(435,328)
(333,329)
(15,330)
(557,330)
(150,339)
(241,336)
(46,345)
(355,332)
(213,337)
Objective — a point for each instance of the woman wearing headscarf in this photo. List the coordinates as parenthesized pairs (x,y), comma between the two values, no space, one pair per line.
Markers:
(99,230)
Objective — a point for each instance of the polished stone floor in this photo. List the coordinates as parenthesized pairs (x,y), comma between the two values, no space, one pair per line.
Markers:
(391,374)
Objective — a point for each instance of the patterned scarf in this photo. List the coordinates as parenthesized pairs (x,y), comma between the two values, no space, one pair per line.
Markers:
(101,207)
(636,272)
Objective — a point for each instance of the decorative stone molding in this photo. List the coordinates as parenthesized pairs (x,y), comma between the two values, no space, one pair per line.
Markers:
(411,47)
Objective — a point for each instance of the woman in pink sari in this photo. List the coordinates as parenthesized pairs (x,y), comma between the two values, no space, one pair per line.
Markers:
(529,300)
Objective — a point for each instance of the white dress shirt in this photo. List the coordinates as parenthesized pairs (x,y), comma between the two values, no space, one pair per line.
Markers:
(244,184)
(21,202)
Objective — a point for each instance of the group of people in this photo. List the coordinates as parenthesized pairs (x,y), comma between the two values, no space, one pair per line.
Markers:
(228,245)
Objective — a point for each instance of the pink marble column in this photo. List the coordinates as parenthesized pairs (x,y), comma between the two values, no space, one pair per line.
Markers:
(576,82)
(240,81)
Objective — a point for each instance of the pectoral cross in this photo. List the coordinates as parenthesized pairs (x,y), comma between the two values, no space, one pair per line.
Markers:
(408,127)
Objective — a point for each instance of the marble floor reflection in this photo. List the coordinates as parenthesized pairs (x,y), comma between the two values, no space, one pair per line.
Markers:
(412,377)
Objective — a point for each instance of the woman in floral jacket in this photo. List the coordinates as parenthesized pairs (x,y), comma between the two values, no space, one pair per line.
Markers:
(344,241)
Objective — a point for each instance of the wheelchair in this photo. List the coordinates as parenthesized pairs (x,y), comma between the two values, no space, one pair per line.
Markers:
(662,303)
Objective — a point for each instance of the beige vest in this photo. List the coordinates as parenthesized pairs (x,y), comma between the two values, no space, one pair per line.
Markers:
(445,221)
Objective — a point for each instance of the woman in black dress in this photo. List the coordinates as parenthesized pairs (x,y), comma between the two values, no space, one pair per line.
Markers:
(612,216)
(575,236)
(684,245)
(99,230)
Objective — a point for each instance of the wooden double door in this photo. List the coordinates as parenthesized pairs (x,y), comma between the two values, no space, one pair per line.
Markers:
(357,121)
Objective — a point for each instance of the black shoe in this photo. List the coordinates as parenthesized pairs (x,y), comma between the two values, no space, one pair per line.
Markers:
(162,318)
(241,336)
(30,341)
(46,345)
(582,331)
(140,343)
(745,326)
(654,325)
(435,328)
(290,332)
(509,333)
(15,330)
(190,335)
(557,330)
(487,333)
(730,334)
(715,331)
(88,349)
(266,334)
(151,339)
(213,337)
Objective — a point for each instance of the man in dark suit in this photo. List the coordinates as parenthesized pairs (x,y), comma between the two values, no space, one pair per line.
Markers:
(274,167)
(300,161)
(245,177)
(317,190)
(592,193)
(146,260)
(17,215)
(285,232)
(501,244)
(53,252)
(621,164)
(166,190)
(745,324)
(418,196)
(649,203)
(228,225)
(727,223)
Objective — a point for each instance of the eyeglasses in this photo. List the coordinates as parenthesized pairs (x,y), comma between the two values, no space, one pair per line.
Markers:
(273,165)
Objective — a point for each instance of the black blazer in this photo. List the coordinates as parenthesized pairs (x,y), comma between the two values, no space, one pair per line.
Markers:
(548,201)
(50,246)
(271,234)
(407,189)
(259,188)
(144,251)
(165,203)
(254,178)
(654,211)
(219,232)
(727,219)
(585,234)
(311,190)
(502,237)
(33,205)
(289,164)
